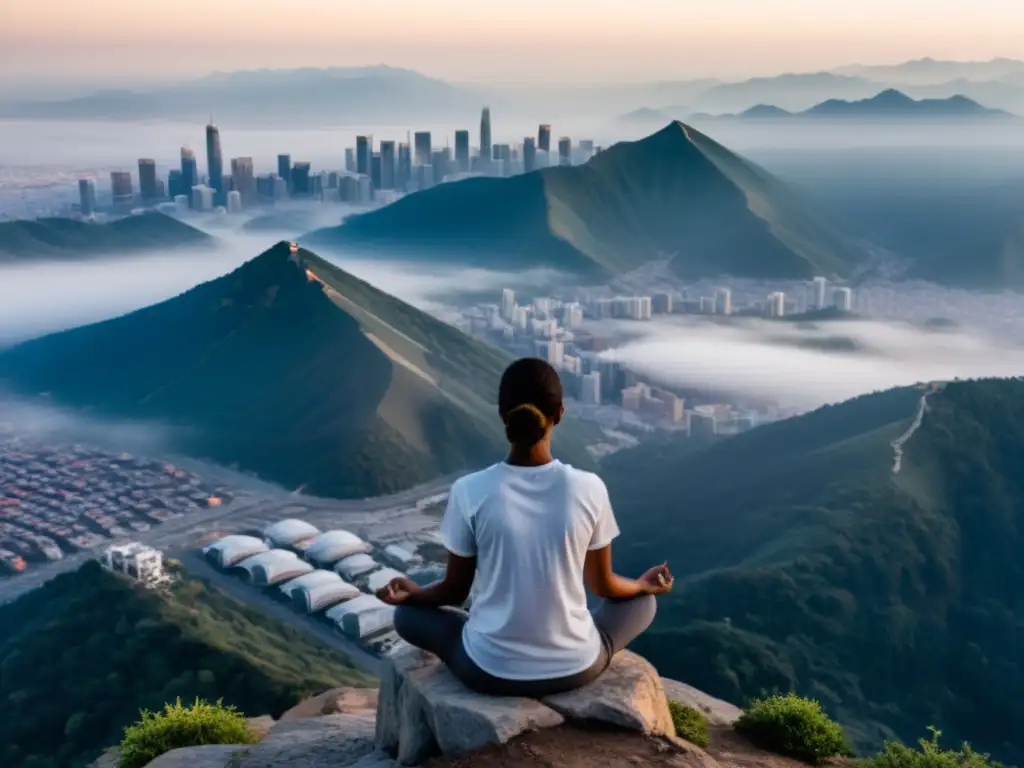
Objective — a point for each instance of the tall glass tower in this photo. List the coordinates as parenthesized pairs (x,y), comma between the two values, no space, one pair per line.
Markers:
(485,136)
(215,164)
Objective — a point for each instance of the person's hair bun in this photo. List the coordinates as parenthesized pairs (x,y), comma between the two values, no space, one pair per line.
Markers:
(525,425)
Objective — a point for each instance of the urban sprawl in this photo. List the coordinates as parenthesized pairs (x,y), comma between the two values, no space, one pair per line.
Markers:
(372,174)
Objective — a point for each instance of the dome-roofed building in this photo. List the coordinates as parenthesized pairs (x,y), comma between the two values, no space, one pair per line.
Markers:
(230,550)
(308,581)
(363,616)
(380,578)
(274,566)
(290,533)
(324,595)
(330,547)
(356,565)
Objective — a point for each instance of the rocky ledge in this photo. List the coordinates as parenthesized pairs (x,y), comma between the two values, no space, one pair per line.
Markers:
(423,715)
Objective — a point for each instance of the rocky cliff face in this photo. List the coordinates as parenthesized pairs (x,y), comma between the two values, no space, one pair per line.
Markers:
(423,716)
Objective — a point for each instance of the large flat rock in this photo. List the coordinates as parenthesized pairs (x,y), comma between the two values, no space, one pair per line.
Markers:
(628,695)
(329,741)
(716,711)
(424,710)
(212,756)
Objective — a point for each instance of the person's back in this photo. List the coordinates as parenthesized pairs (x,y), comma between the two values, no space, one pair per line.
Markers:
(531,531)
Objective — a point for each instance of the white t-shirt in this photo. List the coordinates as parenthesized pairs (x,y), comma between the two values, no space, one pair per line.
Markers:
(530,529)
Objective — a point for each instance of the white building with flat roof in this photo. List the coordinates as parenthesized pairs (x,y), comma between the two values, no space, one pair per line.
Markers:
(136,560)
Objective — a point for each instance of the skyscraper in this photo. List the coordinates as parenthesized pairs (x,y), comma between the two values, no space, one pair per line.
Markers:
(189,172)
(176,183)
(421,148)
(300,179)
(404,166)
(387,165)
(87,196)
(243,177)
(565,151)
(350,160)
(485,136)
(215,164)
(544,138)
(284,168)
(147,179)
(462,151)
(529,154)
(364,148)
(842,299)
(376,171)
(121,189)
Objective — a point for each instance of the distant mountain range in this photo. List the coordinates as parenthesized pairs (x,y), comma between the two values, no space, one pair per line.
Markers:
(28,240)
(887,105)
(675,195)
(292,369)
(929,71)
(354,94)
(805,561)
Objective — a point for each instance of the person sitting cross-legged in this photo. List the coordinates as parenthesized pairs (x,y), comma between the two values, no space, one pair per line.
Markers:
(533,533)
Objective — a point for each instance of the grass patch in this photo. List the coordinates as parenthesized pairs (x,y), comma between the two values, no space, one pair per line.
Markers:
(179,726)
(690,723)
(930,755)
(793,726)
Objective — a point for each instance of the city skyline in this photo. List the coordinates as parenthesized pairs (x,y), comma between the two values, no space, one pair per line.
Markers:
(531,42)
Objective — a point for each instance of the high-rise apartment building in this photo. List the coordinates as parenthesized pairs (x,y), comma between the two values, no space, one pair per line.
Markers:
(462,151)
(508,303)
(147,179)
(485,135)
(234,201)
(590,388)
(775,306)
(565,151)
(350,160)
(243,179)
(87,196)
(421,147)
(441,160)
(819,286)
(364,148)
(387,165)
(529,154)
(121,189)
(284,167)
(842,299)
(723,301)
(544,138)
(301,186)
(215,164)
(189,173)
(175,183)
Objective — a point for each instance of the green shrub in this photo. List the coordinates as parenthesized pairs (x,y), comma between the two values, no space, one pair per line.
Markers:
(931,755)
(690,723)
(178,726)
(793,726)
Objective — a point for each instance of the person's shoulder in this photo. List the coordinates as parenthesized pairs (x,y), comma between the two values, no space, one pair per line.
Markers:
(476,482)
(584,480)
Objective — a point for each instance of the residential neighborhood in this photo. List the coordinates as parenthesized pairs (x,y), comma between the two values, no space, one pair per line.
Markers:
(56,500)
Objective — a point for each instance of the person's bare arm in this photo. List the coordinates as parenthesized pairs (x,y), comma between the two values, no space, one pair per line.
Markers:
(453,589)
(602,581)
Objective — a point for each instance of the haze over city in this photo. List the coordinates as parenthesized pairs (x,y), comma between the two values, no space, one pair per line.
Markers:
(265,267)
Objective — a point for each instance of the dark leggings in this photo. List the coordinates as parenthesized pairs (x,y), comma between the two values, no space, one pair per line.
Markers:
(439,631)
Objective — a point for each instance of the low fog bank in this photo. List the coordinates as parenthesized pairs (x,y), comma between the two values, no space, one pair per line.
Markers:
(808,365)
(49,296)
(38,420)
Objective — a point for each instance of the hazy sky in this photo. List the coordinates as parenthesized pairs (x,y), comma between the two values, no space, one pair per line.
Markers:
(507,40)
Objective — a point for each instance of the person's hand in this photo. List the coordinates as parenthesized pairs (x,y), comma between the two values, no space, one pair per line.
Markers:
(658,580)
(398,590)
